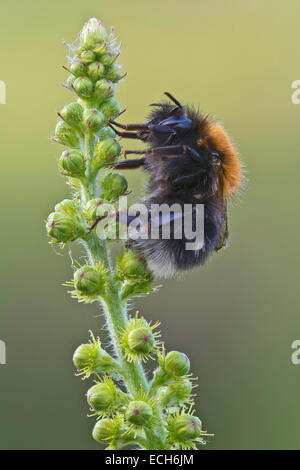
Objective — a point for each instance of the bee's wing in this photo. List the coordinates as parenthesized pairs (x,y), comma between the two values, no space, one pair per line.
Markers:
(222,242)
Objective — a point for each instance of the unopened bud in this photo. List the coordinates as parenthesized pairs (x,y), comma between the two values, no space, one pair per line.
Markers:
(72,163)
(113,185)
(106,133)
(141,340)
(177,363)
(93,120)
(66,206)
(110,108)
(84,356)
(72,114)
(83,87)
(186,427)
(92,33)
(92,207)
(177,394)
(102,396)
(91,358)
(113,73)
(87,57)
(104,429)
(66,135)
(106,151)
(64,228)
(88,280)
(131,264)
(139,413)
(78,69)
(108,57)
(103,90)
(96,71)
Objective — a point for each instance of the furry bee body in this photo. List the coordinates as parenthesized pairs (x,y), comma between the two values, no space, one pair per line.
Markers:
(190,160)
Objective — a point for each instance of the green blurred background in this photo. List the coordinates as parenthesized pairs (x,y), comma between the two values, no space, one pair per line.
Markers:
(237,317)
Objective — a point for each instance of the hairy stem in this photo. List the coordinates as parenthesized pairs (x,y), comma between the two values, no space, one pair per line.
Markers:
(115,314)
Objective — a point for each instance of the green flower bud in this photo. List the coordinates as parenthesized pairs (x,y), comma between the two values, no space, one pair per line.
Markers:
(66,206)
(91,208)
(110,108)
(177,363)
(91,358)
(72,113)
(186,427)
(131,264)
(66,135)
(106,133)
(113,73)
(88,280)
(87,57)
(104,429)
(83,87)
(177,394)
(141,340)
(96,71)
(102,396)
(84,355)
(113,185)
(103,90)
(139,413)
(106,151)
(63,228)
(72,163)
(108,58)
(136,288)
(94,120)
(78,69)
(92,33)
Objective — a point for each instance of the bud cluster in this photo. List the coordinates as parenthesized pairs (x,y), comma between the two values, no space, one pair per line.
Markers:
(83,127)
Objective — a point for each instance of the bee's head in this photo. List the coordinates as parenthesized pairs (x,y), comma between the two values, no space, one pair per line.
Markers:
(222,157)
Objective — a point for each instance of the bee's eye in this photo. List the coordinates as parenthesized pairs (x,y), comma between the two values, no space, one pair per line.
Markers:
(215,158)
(215,154)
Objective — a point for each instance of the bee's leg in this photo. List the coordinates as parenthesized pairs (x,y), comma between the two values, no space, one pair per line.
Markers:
(129,164)
(131,127)
(126,135)
(159,128)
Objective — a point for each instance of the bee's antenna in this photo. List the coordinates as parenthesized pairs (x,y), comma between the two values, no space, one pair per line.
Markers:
(173,99)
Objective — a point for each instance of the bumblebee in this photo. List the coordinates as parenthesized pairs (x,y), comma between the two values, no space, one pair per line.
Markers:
(190,160)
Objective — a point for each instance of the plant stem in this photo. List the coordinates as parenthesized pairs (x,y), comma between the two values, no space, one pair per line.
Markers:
(115,314)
